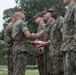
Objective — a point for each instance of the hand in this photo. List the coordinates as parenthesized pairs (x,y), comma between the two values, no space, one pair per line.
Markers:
(48,42)
(33,35)
(37,43)
(43,43)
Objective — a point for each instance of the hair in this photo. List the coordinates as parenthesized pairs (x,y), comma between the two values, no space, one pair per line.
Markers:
(19,14)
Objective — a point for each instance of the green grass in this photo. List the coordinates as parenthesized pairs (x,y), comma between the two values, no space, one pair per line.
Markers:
(27,73)
(3,74)
(32,73)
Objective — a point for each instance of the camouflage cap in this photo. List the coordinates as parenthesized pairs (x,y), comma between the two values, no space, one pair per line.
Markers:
(54,8)
(37,15)
(19,10)
(44,12)
(23,12)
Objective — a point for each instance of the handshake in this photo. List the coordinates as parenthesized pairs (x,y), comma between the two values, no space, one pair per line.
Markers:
(38,35)
(33,35)
(39,43)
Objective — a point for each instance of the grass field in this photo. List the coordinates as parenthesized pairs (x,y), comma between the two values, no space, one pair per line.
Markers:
(3,71)
(27,73)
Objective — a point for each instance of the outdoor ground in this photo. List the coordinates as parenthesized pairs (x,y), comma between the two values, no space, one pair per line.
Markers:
(3,71)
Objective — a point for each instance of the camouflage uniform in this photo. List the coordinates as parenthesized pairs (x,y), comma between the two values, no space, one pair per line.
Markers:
(56,40)
(40,58)
(20,47)
(48,59)
(8,47)
(69,41)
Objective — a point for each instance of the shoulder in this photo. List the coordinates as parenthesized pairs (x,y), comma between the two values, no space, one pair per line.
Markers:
(52,20)
(60,18)
(9,26)
(22,22)
(43,24)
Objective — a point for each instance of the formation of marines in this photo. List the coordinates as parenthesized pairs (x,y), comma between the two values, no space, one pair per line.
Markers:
(56,41)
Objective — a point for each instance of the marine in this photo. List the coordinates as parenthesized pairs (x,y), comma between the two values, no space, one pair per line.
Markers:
(8,45)
(56,41)
(20,34)
(40,50)
(46,33)
(69,38)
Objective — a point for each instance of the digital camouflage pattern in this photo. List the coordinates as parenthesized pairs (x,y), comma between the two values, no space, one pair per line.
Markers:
(68,30)
(69,40)
(48,58)
(8,37)
(40,58)
(40,30)
(40,61)
(20,46)
(55,46)
(20,41)
(20,61)
(8,47)
(56,36)
(47,30)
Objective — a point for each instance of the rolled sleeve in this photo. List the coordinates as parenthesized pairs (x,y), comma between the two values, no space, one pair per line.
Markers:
(24,29)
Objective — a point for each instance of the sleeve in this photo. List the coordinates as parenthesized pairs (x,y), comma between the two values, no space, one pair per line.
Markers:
(8,40)
(74,29)
(43,31)
(24,27)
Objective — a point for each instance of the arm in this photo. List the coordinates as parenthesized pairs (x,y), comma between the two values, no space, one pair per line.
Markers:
(28,34)
(38,35)
(45,43)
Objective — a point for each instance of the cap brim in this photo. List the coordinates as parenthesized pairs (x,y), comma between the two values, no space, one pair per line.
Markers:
(34,17)
(51,10)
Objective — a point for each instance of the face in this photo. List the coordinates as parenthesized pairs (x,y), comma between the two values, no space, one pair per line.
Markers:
(23,16)
(37,20)
(54,14)
(66,2)
(13,18)
(47,15)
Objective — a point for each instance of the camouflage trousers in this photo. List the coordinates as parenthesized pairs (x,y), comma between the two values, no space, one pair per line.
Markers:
(40,61)
(10,63)
(48,62)
(20,61)
(69,60)
(57,65)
